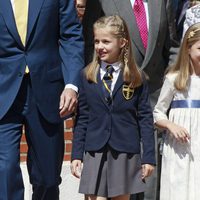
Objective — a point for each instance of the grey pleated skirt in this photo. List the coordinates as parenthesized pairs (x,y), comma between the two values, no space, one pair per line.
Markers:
(108,173)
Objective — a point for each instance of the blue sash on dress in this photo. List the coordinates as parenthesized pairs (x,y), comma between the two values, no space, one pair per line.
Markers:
(185,104)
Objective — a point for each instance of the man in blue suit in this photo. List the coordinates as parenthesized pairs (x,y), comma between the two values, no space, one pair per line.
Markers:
(41,54)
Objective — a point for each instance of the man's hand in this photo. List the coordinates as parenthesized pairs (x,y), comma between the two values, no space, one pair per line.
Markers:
(68,102)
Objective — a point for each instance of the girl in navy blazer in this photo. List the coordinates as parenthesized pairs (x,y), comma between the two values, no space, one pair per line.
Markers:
(114,118)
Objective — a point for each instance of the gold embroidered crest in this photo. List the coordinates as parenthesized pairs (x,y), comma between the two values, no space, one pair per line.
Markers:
(127,92)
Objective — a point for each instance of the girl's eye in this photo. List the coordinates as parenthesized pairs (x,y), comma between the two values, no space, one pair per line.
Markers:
(105,41)
(96,41)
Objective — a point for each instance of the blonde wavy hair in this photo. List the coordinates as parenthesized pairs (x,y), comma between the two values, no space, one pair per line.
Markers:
(194,2)
(131,73)
(183,65)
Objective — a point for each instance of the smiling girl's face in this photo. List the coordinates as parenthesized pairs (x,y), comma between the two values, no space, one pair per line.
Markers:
(107,46)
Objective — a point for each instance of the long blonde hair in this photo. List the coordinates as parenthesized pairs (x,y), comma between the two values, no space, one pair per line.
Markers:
(183,63)
(194,2)
(131,73)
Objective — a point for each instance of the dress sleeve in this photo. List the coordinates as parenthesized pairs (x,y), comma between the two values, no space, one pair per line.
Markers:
(164,100)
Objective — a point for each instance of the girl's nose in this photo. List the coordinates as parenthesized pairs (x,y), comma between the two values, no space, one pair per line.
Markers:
(100,45)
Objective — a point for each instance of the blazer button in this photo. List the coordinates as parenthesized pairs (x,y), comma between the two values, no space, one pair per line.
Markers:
(20,74)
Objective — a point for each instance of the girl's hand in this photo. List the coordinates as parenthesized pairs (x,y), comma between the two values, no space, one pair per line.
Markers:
(180,133)
(147,170)
(76,168)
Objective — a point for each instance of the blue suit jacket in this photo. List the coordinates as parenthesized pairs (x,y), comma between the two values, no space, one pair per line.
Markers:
(123,124)
(53,53)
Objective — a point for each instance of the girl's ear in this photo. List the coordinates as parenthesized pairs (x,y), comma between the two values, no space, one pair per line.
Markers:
(123,42)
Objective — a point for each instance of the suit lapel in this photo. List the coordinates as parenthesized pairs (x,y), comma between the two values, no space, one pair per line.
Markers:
(34,8)
(125,10)
(154,8)
(8,15)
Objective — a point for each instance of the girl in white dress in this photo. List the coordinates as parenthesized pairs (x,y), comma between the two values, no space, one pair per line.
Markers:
(178,112)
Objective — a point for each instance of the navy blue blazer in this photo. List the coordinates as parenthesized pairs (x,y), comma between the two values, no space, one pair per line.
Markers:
(53,53)
(123,125)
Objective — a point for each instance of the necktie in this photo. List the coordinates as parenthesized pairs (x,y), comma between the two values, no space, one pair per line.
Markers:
(21,19)
(140,15)
(107,81)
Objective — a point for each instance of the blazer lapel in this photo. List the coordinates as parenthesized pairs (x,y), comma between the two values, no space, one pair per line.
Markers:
(34,8)
(125,10)
(8,15)
(154,8)
(118,84)
(99,89)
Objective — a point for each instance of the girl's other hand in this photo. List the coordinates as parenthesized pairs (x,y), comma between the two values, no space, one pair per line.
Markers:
(147,170)
(179,132)
(76,168)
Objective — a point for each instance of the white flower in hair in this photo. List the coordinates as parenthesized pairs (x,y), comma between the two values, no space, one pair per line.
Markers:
(191,34)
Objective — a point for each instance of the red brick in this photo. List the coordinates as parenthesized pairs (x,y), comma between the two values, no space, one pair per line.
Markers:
(68,147)
(23,148)
(67,157)
(68,135)
(23,139)
(69,123)
(23,158)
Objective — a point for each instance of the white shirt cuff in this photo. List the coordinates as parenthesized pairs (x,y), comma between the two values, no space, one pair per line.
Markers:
(71,86)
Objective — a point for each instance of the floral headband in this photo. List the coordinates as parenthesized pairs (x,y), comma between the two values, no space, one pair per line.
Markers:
(192,33)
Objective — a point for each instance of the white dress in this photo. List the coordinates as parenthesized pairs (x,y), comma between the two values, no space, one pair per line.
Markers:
(180,176)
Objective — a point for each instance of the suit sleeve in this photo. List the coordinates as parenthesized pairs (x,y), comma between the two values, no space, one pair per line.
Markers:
(80,128)
(145,122)
(172,41)
(71,45)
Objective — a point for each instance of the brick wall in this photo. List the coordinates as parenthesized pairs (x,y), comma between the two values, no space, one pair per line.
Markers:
(68,142)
